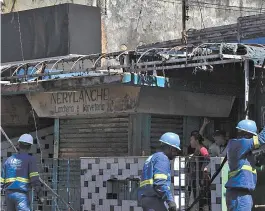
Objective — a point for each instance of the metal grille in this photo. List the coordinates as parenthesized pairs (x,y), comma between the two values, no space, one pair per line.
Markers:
(164,123)
(194,183)
(123,189)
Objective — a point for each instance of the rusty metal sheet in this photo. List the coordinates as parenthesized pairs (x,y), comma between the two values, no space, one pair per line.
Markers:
(15,110)
(173,102)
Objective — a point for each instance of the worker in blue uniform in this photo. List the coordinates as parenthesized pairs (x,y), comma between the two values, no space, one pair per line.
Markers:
(154,193)
(19,174)
(242,177)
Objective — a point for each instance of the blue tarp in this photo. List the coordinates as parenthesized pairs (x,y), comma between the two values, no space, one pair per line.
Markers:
(32,71)
(132,78)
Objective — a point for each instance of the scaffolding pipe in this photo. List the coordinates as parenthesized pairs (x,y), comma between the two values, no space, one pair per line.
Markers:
(246,68)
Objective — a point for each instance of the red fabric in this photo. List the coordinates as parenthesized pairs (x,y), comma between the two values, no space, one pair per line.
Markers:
(204,152)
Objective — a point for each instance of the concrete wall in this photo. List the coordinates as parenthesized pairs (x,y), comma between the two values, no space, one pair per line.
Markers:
(141,22)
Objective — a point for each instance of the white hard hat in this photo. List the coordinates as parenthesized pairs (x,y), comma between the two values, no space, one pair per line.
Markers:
(26,138)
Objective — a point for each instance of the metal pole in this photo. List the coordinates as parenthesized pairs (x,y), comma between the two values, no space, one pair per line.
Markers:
(197,168)
(246,68)
(183,21)
(68,182)
(55,163)
(32,199)
(180,188)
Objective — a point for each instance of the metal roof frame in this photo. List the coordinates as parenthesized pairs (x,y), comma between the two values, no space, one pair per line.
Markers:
(170,64)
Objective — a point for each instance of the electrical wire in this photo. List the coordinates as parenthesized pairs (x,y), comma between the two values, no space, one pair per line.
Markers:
(261,6)
(33,112)
(218,6)
(201,14)
(229,6)
(226,8)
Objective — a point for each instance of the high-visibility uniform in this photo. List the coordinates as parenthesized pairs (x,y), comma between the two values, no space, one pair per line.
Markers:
(242,178)
(19,172)
(155,183)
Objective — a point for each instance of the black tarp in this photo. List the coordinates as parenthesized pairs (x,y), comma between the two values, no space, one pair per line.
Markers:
(51,31)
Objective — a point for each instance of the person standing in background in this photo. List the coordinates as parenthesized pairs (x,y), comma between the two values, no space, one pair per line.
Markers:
(200,159)
(220,140)
(213,148)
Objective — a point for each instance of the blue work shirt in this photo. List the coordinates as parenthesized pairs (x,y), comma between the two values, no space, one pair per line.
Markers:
(19,172)
(156,178)
(241,162)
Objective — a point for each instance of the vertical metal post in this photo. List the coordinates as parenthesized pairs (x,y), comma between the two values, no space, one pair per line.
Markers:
(197,178)
(183,20)
(32,199)
(55,161)
(68,182)
(179,159)
(246,68)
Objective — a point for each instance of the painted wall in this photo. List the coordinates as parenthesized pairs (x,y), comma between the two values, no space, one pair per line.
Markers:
(141,22)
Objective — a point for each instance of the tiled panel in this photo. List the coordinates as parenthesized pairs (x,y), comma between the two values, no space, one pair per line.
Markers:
(217,188)
(131,167)
(97,174)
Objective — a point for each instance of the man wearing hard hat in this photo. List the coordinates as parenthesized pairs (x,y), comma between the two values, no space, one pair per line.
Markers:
(242,178)
(154,192)
(19,174)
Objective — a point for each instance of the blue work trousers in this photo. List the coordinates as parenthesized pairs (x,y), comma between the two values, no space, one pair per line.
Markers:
(238,200)
(153,204)
(17,201)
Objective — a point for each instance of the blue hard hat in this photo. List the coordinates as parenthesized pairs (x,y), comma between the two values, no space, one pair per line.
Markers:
(171,139)
(248,126)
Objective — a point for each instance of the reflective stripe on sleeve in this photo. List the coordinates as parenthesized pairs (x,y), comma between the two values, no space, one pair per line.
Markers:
(33,174)
(2,180)
(160,176)
(146,182)
(256,142)
(19,179)
(244,167)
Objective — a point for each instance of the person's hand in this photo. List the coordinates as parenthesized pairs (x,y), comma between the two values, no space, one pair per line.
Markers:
(206,121)
(172,206)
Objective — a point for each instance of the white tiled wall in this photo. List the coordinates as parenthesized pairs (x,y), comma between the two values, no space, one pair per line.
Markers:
(120,168)
(217,187)
(124,167)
